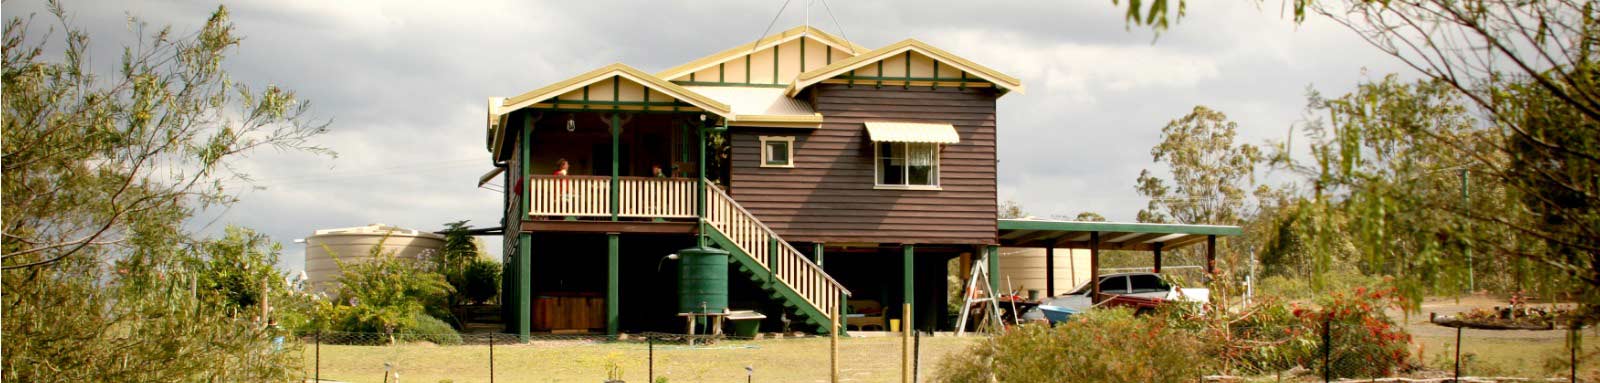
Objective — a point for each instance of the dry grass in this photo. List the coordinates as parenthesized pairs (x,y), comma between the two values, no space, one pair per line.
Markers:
(874,359)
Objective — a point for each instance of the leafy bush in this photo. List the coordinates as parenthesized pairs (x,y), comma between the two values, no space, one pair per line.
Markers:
(384,294)
(480,282)
(1098,346)
(429,329)
(1183,341)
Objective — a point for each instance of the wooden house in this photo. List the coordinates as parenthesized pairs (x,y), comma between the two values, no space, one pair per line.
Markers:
(832,172)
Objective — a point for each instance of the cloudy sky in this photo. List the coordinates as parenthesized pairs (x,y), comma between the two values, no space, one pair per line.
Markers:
(404,84)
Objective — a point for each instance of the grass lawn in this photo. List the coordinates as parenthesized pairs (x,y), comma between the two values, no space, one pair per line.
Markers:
(873,359)
(1491,352)
(1503,353)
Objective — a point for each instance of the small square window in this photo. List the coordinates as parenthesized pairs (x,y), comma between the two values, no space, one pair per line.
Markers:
(777,152)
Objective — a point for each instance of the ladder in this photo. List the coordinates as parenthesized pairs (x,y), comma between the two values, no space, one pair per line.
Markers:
(991,321)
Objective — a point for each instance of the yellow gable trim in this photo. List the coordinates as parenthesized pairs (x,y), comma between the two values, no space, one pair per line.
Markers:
(848,65)
(626,72)
(764,43)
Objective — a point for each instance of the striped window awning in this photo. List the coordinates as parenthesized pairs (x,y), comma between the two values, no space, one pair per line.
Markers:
(884,131)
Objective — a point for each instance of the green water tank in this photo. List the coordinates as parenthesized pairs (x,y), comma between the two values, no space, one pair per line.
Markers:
(702,280)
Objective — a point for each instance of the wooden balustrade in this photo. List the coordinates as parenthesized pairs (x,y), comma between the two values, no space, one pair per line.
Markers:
(656,197)
(590,196)
(789,265)
(572,196)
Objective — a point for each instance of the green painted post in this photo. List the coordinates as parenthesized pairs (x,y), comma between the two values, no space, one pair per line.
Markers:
(526,152)
(613,275)
(524,285)
(616,155)
(909,285)
(816,252)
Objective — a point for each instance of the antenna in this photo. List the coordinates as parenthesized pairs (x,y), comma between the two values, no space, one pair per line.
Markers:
(836,24)
(764,33)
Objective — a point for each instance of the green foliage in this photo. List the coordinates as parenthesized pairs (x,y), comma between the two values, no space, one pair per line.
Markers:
(1089,216)
(481,281)
(1522,133)
(1098,346)
(431,330)
(239,267)
(476,279)
(1211,174)
(387,294)
(1011,209)
(102,281)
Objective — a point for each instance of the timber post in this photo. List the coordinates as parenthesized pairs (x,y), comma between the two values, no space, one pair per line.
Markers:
(908,286)
(1050,270)
(616,166)
(1094,267)
(1157,249)
(613,275)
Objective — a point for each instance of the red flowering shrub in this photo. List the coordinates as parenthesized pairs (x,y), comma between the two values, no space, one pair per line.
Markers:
(1363,340)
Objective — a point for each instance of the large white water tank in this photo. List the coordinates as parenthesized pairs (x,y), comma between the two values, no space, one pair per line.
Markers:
(1025,269)
(354,245)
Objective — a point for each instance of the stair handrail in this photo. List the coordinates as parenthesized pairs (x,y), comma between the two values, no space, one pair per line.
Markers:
(763,226)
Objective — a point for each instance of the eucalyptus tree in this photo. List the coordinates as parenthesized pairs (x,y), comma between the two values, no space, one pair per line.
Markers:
(1527,70)
(101,279)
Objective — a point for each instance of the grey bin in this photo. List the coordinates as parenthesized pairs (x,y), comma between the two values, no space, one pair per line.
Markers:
(745,322)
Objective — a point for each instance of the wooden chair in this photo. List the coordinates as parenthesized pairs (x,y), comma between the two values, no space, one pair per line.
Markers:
(865,314)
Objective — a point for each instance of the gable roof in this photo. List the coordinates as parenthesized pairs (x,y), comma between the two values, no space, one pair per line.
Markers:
(500,108)
(766,42)
(626,72)
(841,67)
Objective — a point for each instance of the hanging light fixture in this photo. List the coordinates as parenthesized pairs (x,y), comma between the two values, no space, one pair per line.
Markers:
(572,124)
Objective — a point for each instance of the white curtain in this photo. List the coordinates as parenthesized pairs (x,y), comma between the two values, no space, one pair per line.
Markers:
(922,154)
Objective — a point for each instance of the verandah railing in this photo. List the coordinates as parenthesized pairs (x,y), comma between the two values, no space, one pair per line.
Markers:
(590,196)
(789,265)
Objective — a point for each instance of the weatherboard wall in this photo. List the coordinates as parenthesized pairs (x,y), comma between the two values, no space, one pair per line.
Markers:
(830,196)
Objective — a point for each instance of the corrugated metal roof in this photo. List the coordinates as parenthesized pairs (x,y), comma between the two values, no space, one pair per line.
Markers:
(886,131)
(764,101)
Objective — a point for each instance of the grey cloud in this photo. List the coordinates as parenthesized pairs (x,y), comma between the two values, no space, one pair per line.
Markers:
(405,83)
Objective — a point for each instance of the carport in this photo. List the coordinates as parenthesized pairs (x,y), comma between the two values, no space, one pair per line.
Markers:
(1097,236)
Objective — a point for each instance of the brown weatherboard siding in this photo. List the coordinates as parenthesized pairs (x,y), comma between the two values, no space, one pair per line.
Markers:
(829,197)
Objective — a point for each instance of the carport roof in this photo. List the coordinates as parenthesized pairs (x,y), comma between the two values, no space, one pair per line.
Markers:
(1113,235)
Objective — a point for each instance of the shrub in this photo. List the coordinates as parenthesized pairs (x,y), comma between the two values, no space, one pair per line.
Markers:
(1099,346)
(429,329)
(480,282)
(1365,341)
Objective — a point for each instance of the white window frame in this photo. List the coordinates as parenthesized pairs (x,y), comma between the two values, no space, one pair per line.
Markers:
(789,143)
(877,169)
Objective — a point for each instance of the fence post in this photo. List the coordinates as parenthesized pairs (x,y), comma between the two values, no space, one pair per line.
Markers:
(652,346)
(916,357)
(1458,353)
(491,357)
(318,358)
(1574,341)
(1327,348)
(833,345)
(905,343)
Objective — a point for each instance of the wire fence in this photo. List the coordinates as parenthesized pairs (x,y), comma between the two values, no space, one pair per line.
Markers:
(1335,352)
(647,357)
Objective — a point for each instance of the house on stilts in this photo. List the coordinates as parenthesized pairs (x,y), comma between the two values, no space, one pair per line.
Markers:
(833,175)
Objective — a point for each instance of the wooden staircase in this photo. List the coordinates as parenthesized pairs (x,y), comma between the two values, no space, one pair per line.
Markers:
(784,272)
